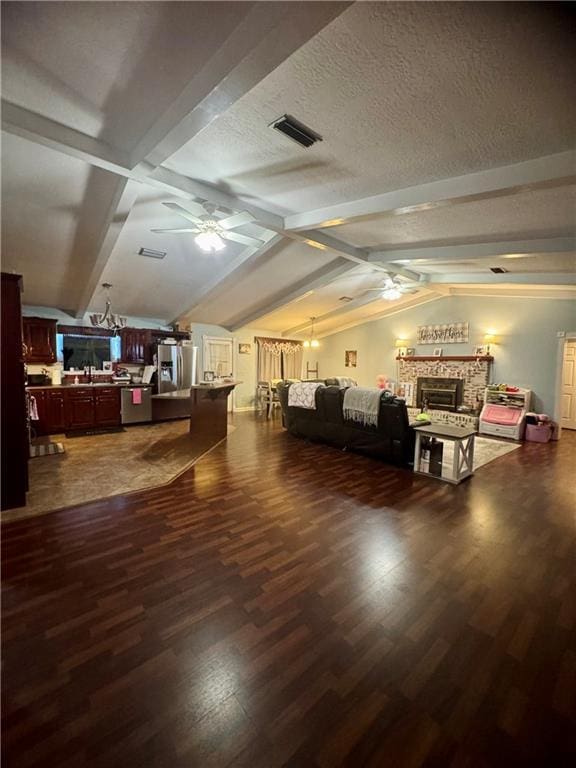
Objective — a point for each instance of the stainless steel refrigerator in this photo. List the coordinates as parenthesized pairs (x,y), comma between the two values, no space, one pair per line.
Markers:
(176,367)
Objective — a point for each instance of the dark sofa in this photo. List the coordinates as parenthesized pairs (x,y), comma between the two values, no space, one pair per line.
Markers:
(392,440)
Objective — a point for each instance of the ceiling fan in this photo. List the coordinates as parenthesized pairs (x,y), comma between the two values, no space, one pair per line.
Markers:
(393,289)
(210,231)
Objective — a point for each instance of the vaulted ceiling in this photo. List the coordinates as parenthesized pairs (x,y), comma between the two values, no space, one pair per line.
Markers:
(448,148)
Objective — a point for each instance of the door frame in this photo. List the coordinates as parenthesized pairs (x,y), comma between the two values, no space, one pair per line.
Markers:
(232,341)
(568,336)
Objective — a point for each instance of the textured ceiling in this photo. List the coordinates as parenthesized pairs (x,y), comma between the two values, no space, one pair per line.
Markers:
(108,69)
(523,215)
(403,93)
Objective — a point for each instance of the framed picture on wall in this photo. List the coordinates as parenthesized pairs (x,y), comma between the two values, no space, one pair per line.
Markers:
(350,358)
(244,349)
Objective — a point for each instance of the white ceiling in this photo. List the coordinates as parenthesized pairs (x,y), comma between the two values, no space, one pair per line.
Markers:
(177,99)
(403,93)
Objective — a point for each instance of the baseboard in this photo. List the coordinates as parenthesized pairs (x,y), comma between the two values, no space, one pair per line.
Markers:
(245,408)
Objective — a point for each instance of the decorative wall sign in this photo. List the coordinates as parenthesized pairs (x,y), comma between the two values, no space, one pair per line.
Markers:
(449,333)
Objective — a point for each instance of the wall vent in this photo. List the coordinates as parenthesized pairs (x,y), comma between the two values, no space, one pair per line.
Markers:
(151,254)
(296,131)
(498,270)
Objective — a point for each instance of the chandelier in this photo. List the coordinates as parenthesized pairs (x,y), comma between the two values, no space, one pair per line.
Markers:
(108,319)
(312,341)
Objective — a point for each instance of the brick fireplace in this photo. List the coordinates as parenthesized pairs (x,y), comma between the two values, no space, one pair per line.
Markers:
(472,373)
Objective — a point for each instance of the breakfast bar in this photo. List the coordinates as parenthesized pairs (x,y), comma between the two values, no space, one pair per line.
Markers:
(207,405)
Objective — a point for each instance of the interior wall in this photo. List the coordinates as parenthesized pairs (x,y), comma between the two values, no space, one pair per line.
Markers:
(246,364)
(525,354)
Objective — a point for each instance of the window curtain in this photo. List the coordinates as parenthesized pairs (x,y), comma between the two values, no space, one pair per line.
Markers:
(292,362)
(279,359)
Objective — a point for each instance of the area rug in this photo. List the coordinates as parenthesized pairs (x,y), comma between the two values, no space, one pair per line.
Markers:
(485,450)
(48,449)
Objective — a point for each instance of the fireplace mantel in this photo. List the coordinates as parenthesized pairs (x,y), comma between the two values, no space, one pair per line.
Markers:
(440,358)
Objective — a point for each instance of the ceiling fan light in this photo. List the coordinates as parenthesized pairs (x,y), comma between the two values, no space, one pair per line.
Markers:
(306,343)
(209,242)
(390,294)
(314,343)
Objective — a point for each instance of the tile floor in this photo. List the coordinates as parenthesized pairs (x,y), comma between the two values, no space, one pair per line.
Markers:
(99,466)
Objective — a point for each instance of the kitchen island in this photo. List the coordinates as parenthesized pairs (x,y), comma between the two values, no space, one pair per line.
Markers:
(207,406)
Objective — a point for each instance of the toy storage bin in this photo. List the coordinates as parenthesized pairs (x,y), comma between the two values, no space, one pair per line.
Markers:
(538,433)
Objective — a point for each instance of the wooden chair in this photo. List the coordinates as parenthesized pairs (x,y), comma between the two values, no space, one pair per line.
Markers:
(267,397)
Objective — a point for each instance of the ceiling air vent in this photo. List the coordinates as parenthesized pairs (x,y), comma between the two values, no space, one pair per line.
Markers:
(498,270)
(151,254)
(345,298)
(296,131)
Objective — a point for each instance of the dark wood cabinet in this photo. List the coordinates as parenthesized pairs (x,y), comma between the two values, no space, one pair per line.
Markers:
(136,345)
(15,440)
(107,407)
(62,409)
(56,412)
(52,412)
(80,408)
(39,336)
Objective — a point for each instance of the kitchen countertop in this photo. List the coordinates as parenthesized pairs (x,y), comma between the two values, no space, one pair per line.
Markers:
(87,385)
(184,394)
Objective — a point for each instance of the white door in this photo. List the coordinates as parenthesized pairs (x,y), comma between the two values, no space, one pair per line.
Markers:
(569,385)
(218,357)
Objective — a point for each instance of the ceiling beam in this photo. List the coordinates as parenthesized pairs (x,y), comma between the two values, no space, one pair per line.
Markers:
(49,133)
(93,259)
(42,130)
(268,35)
(509,278)
(318,279)
(239,267)
(550,170)
(326,242)
(349,306)
(475,251)
(424,297)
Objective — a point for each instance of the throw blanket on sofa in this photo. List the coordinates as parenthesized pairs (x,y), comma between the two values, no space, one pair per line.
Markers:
(362,404)
(303,395)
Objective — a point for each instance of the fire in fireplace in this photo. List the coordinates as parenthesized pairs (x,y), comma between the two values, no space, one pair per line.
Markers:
(439,394)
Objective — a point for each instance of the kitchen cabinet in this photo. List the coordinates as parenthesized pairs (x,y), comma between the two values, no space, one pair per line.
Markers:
(14,420)
(63,409)
(107,407)
(136,346)
(80,408)
(52,411)
(39,337)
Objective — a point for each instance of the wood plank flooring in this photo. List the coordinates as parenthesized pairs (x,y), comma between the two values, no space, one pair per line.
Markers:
(283,603)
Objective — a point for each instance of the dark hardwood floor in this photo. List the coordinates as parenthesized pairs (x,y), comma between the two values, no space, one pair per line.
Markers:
(284,603)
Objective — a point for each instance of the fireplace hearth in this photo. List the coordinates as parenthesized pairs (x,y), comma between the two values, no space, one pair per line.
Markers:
(439,393)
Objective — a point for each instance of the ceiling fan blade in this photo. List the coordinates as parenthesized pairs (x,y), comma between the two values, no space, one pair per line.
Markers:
(236,220)
(183,212)
(238,238)
(177,231)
